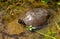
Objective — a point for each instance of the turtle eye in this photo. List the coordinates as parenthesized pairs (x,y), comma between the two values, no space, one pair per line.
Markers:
(48,16)
(21,22)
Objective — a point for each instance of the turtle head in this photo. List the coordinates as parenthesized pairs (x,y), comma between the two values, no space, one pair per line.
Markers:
(21,22)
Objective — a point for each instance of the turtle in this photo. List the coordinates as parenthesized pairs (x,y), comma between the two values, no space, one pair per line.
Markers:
(35,18)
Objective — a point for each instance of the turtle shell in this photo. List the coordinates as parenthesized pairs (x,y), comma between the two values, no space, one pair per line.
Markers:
(36,17)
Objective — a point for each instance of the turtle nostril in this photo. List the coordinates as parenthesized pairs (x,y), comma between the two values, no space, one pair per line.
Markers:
(21,22)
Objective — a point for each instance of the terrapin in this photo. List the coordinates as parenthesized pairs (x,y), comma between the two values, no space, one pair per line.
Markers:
(35,18)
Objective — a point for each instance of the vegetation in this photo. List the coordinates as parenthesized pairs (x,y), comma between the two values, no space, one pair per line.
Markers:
(12,9)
